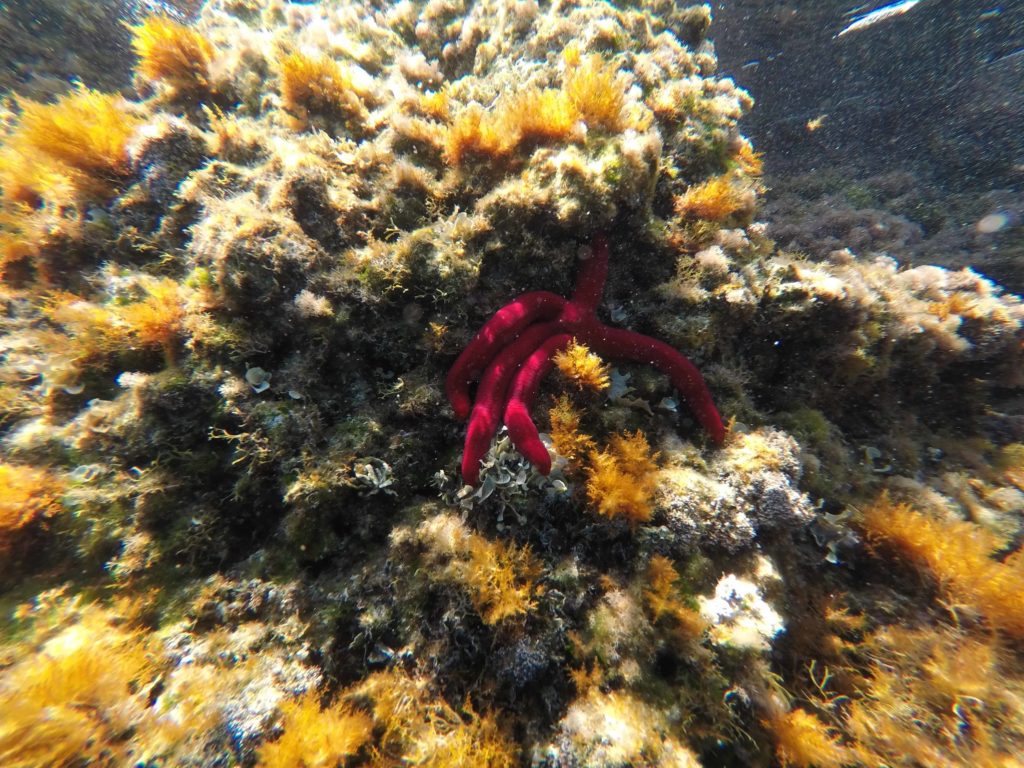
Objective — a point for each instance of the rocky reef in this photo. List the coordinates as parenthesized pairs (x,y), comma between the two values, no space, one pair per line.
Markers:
(233,526)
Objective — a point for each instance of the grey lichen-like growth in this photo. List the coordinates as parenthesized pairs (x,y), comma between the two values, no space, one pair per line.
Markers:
(508,482)
(751,487)
(606,730)
(373,476)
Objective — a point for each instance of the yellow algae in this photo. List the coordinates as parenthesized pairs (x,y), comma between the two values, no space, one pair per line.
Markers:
(958,554)
(317,86)
(316,737)
(418,727)
(622,478)
(173,53)
(717,199)
(582,367)
(592,96)
(597,90)
(499,578)
(802,740)
(76,147)
(79,696)
(567,435)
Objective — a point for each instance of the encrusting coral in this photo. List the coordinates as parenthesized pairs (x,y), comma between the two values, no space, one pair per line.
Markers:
(233,524)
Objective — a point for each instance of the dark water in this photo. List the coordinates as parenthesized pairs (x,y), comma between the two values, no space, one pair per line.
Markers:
(919,115)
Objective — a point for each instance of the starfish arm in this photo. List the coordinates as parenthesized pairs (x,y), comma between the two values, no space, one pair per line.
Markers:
(617,343)
(593,273)
(490,396)
(503,326)
(523,392)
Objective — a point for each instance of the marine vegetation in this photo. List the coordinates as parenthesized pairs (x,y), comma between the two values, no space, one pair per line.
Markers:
(250,294)
(173,53)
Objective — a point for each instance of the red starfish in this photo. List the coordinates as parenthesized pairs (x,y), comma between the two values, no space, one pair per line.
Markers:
(514,352)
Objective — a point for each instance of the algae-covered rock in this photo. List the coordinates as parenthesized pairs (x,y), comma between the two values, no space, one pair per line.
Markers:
(232,300)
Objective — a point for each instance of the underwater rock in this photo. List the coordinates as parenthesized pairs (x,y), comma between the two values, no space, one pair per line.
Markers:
(739,615)
(232,298)
(613,730)
(751,487)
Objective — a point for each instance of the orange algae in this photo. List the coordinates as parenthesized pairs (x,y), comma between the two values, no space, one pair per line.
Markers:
(570,441)
(931,697)
(314,737)
(592,97)
(420,728)
(474,133)
(318,86)
(27,495)
(75,148)
(91,331)
(716,199)
(78,698)
(55,157)
(958,554)
(661,576)
(500,578)
(582,367)
(436,104)
(802,740)
(749,161)
(543,116)
(665,604)
(957,303)
(597,91)
(94,331)
(157,320)
(17,247)
(173,53)
(621,480)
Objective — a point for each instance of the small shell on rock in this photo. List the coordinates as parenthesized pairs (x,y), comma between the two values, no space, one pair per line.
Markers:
(258,379)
